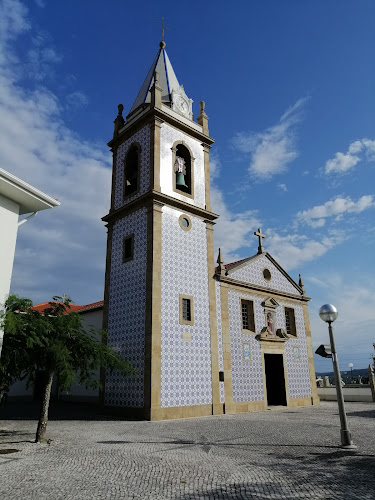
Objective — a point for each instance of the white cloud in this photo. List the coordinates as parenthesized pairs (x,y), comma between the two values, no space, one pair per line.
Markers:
(315,217)
(232,230)
(41,57)
(77,99)
(282,187)
(294,249)
(63,249)
(355,303)
(274,149)
(343,162)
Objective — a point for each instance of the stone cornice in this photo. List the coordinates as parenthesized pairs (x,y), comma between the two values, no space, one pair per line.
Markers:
(161,199)
(269,291)
(159,115)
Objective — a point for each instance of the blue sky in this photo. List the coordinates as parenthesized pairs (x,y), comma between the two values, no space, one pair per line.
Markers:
(289,89)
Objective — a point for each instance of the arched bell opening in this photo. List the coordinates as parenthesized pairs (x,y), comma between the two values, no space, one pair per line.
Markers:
(131,170)
(182,167)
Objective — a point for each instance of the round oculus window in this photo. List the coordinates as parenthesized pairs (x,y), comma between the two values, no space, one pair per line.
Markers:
(267,274)
(185,222)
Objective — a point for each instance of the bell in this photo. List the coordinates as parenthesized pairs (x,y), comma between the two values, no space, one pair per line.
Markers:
(180,180)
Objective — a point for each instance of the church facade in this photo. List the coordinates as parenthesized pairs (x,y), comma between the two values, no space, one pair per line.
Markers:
(203,340)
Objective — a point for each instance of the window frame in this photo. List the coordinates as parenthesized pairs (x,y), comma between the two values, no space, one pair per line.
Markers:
(181,316)
(137,146)
(293,324)
(250,315)
(192,159)
(128,237)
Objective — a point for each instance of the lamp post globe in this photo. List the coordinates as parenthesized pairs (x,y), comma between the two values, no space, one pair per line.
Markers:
(328,313)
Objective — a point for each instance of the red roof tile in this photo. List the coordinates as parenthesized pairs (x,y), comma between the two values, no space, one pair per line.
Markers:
(73,307)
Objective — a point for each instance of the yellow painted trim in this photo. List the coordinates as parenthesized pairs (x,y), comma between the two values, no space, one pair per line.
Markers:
(314,392)
(228,391)
(216,405)
(181,412)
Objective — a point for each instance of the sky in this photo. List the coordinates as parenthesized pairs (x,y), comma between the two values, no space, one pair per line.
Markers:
(289,90)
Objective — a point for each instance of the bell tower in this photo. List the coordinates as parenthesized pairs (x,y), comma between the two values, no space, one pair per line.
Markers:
(159,301)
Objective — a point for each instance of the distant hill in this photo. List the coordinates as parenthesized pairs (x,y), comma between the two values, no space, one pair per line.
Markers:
(363,372)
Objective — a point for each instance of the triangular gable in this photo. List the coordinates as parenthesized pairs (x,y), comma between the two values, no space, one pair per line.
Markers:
(250,271)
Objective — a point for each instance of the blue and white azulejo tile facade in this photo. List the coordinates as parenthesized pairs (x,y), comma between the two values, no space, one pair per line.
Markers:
(126,313)
(253,273)
(185,349)
(142,137)
(296,354)
(247,376)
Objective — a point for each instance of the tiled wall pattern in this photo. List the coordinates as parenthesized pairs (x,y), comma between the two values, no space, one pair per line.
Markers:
(247,376)
(219,338)
(297,362)
(126,314)
(185,364)
(169,136)
(143,138)
(253,273)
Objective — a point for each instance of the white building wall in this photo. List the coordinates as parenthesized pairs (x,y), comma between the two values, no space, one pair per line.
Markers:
(185,349)
(168,136)
(9,211)
(126,314)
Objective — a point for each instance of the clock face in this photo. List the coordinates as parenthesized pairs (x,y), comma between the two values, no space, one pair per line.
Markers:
(181,104)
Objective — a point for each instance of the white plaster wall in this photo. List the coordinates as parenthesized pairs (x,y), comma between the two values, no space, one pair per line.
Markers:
(168,137)
(350,393)
(185,364)
(9,211)
(126,314)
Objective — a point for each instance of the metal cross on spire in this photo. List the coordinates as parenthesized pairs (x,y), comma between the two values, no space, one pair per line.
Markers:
(163,27)
(260,237)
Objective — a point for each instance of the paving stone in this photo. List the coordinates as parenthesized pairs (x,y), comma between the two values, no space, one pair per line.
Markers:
(277,454)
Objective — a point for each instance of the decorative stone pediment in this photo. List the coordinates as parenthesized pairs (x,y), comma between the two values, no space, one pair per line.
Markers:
(181,102)
(270,302)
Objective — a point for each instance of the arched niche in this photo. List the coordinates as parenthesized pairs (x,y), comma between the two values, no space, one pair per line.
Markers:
(181,150)
(132,167)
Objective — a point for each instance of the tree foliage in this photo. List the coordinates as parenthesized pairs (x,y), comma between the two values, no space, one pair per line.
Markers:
(52,341)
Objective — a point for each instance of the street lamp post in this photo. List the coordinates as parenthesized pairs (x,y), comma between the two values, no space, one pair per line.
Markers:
(351,372)
(328,313)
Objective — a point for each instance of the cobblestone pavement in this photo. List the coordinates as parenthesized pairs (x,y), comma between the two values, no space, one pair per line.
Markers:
(276,454)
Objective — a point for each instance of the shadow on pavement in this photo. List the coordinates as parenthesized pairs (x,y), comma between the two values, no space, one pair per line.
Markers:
(58,410)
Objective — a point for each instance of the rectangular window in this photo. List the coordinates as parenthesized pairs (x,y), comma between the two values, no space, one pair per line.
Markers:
(186,310)
(128,248)
(247,313)
(290,322)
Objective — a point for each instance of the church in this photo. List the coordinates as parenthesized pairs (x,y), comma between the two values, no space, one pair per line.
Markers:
(204,340)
